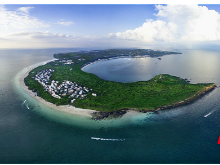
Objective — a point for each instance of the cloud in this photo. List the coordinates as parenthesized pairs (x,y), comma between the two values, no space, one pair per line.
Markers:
(150,31)
(196,23)
(25,9)
(39,39)
(177,23)
(47,39)
(41,36)
(65,23)
(19,19)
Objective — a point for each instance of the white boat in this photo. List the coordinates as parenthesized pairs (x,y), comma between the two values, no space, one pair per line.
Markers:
(27,107)
(95,138)
(209,113)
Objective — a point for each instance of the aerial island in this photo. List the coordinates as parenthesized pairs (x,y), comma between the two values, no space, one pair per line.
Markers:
(62,82)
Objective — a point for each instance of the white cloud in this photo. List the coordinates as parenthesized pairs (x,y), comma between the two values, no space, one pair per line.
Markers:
(65,23)
(196,23)
(177,23)
(25,9)
(41,36)
(19,19)
(151,31)
(46,39)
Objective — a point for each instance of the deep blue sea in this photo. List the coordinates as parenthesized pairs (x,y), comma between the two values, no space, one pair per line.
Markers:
(187,134)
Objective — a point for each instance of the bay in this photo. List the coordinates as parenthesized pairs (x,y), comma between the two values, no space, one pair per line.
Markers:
(198,66)
(179,135)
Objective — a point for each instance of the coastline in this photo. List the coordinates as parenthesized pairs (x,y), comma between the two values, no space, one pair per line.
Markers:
(64,108)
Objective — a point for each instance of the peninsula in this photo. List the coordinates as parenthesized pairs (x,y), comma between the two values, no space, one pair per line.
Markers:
(62,82)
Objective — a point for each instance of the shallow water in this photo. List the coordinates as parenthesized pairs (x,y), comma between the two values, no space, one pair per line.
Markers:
(41,135)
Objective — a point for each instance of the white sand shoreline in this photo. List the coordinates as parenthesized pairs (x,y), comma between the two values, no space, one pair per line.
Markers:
(64,108)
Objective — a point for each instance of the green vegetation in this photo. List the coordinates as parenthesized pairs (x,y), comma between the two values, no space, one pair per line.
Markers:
(160,91)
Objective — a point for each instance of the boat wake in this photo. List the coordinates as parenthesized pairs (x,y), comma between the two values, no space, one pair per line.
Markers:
(24,104)
(24,101)
(210,112)
(95,138)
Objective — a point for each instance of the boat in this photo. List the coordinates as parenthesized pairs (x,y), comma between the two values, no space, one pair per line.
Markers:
(27,107)
(95,138)
(210,113)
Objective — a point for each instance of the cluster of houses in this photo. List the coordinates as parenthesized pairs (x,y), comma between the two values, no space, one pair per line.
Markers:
(66,88)
(66,62)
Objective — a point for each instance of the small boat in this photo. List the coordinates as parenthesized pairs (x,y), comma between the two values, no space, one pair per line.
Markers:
(27,107)
(95,138)
(209,113)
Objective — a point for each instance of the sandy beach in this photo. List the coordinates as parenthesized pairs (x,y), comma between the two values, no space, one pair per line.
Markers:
(64,108)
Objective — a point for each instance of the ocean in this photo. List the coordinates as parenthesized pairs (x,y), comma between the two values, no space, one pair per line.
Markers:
(34,133)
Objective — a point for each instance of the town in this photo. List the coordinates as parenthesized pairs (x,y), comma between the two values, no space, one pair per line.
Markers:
(66,88)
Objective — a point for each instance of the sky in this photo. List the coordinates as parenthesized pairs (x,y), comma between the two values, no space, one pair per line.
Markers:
(104,26)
